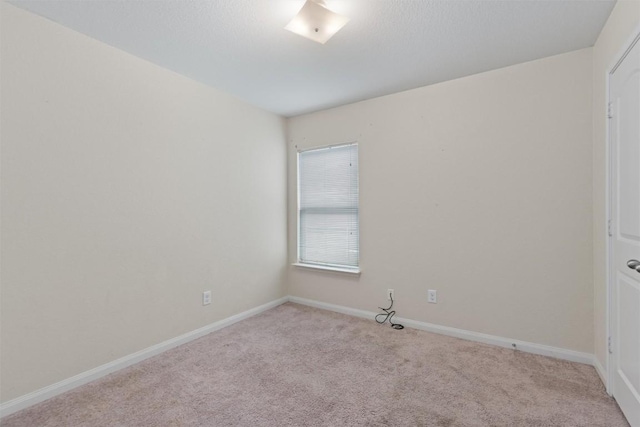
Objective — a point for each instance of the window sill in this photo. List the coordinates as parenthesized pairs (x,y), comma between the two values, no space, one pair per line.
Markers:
(355,271)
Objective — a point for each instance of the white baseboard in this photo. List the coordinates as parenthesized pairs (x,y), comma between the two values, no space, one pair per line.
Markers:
(332,307)
(600,370)
(48,392)
(545,350)
(60,387)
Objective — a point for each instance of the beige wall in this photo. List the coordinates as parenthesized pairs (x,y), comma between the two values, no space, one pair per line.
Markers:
(479,188)
(620,26)
(127,190)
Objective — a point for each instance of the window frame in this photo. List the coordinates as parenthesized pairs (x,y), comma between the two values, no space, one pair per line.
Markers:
(324,267)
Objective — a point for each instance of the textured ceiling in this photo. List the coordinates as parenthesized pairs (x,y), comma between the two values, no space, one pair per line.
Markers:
(241,47)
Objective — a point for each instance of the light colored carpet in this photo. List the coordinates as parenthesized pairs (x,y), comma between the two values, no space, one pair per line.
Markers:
(300,366)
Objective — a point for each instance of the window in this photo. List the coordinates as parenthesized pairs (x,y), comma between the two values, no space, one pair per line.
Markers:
(328,226)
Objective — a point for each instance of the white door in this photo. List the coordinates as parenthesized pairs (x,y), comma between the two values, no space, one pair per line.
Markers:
(625,235)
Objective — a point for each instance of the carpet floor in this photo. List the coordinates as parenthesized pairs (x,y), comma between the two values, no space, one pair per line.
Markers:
(300,366)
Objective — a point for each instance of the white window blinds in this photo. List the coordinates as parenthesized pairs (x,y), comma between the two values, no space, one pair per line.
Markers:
(328,231)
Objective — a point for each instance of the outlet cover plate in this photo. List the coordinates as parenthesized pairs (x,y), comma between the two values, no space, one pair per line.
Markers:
(206,298)
(432,296)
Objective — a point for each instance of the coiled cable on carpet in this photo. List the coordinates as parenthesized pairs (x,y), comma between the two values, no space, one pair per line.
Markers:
(388,315)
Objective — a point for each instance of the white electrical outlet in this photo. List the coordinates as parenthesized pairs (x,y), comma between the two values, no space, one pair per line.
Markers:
(390,294)
(432,296)
(206,298)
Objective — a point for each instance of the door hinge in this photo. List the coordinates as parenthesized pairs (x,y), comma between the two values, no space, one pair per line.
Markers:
(609,228)
(610,347)
(609,111)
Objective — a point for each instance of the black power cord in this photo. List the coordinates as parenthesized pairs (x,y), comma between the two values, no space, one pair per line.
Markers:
(388,315)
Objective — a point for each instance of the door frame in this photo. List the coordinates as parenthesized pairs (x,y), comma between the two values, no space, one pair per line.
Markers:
(626,48)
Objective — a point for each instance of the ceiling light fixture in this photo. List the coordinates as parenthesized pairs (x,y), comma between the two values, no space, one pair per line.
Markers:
(316,22)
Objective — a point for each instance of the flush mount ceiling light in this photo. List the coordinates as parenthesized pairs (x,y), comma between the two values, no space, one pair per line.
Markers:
(316,22)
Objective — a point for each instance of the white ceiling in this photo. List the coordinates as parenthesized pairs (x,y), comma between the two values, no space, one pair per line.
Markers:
(241,47)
